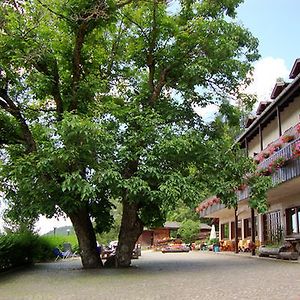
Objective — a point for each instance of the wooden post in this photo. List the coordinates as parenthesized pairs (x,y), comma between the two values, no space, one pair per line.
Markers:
(236,241)
(279,121)
(260,138)
(252,231)
(246,146)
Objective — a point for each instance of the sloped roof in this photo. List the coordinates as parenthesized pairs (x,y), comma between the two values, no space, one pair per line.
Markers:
(205,226)
(172,225)
(295,69)
(284,94)
(262,106)
(278,88)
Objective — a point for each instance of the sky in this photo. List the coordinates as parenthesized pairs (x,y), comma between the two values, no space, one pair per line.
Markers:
(275,23)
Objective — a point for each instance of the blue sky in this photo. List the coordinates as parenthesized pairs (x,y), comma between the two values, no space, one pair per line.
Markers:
(276,24)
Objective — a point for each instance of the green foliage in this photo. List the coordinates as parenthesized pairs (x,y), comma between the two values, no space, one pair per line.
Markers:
(182,213)
(103,103)
(45,245)
(189,231)
(17,249)
(230,165)
(259,185)
(214,241)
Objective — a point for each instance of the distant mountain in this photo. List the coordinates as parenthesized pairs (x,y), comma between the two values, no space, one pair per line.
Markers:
(65,230)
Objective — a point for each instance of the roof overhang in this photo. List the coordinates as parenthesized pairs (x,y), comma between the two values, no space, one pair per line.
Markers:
(292,90)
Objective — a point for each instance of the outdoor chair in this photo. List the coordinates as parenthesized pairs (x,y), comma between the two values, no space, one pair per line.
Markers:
(61,254)
(68,248)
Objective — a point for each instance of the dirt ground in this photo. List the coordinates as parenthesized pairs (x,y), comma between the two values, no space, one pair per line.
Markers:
(194,275)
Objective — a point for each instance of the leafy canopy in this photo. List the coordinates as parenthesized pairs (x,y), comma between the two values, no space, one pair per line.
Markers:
(96,101)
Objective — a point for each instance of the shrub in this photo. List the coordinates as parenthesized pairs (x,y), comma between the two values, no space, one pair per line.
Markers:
(16,249)
(46,244)
(189,231)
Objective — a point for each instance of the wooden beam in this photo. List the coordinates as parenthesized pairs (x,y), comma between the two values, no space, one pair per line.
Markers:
(279,121)
(253,230)
(236,238)
(260,137)
(246,146)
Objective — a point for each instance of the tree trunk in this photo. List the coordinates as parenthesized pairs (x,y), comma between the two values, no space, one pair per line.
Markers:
(131,229)
(84,230)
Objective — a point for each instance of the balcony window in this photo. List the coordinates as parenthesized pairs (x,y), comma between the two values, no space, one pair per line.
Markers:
(247,227)
(272,227)
(239,230)
(293,220)
(225,231)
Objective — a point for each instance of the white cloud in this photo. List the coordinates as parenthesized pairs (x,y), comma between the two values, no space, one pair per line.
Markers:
(45,225)
(207,113)
(266,71)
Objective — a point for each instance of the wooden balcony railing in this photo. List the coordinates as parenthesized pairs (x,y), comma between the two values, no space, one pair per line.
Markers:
(211,209)
(283,174)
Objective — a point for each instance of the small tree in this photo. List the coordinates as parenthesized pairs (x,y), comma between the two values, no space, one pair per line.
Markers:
(189,231)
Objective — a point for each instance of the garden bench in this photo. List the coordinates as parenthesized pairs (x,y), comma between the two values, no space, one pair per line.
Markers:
(284,252)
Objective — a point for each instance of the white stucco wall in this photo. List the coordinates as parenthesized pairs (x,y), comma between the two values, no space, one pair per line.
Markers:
(270,133)
(291,115)
(254,146)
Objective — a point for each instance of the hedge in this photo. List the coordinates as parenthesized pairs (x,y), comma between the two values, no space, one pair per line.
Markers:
(18,249)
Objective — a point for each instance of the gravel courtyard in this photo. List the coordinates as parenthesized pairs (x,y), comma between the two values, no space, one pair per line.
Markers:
(194,275)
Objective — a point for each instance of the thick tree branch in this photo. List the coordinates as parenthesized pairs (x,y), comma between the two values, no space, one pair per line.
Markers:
(11,108)
(55,88)
(159,86)
(79,40)
(150,56)
(86,23)
(97,11)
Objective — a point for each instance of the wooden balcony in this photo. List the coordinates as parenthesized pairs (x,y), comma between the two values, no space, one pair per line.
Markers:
(283,174)
(279,176)
(211,209)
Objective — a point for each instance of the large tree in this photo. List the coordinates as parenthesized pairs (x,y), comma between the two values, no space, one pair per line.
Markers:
(97,102)
(53,142)
(172,60)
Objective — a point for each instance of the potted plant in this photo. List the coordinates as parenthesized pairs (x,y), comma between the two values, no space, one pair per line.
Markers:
(258,158)
(266,154)
(265,171)
(296,150)
(275,148)
(279,162)
(287,138)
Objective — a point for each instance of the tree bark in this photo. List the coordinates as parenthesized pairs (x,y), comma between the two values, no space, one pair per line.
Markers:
(131,229)
(84,230)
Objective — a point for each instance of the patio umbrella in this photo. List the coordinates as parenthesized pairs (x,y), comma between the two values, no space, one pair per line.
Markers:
(213,234)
